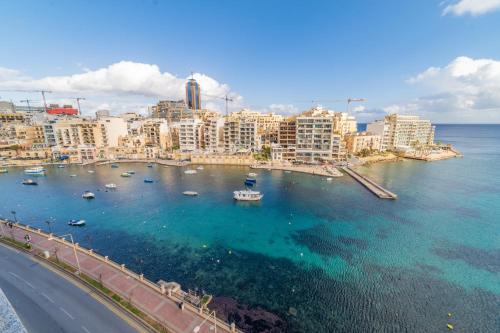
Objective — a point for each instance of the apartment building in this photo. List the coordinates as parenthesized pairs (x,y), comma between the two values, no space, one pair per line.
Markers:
(344,124)
(190,135)
(287,139)
(356,142)
(212,123)
(402,132)
(110,129)
(241,132)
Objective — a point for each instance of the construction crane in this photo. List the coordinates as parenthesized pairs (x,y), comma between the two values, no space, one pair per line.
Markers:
(33,91)
(78,99)
(350,100)
(27,101)
(225,98)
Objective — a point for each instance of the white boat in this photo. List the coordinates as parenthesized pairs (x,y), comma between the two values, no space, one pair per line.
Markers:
(200,167)
(329,179)
(190,172)
(252,174)
(131,172)
(288,171)
(3,170)
(110,186)
(91,171)
(60,166)
(76,223)
(247,195)
(88,195)
(126,174)
(35,171)
(72,175)
(190,193)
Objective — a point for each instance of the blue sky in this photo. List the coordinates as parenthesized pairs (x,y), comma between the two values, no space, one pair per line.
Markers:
(272,55)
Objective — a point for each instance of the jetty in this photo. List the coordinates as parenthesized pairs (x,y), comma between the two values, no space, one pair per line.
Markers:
(372,186)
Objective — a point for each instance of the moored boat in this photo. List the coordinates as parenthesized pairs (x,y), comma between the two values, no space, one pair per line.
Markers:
(110,186)
(126,174)
(150,165)
(60,166)
(114,165)
(72,175)
(76,223)
(190,172)
(190,193)
(148,180)
(35,171)
(3,170)
(247,195)
(29,182)
(91,171)
(200,167)
(132,172)
(252,174)
(251,180)
(88,195)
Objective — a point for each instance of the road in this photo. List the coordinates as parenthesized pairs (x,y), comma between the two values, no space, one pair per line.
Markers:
(46,302)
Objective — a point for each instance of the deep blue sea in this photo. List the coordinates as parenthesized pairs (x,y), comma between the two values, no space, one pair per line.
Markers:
(313,256)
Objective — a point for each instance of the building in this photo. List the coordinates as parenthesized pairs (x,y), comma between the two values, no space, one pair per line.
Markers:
(344,124)
(67,110)
(110,129)
(173,111)
(101,113)
(212,124)
(287,139)
(193,95)
(156,133)
(356,142)
(190,135)
(402,132)
(241,133)
(315,139)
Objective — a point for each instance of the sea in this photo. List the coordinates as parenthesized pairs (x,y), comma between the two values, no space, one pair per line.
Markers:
(313,255)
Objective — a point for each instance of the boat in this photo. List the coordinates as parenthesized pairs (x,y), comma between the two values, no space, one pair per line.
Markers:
(29,182)
(91,171)
(60,166)
(190,193)
(72,175)
(200,167)
(147,180)
(329,179)
(110,186)
(247,195)
(190,172)
(251,180)
(126,174)
(35,171)
(150,165)
(252,174)
(131,172)
(3,170)
(88,195)
(114,165)
(76,223)
(288,171)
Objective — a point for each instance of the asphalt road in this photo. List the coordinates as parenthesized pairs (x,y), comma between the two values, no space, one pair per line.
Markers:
(48,303)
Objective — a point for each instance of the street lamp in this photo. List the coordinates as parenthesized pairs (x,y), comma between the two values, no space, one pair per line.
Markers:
(48,225)
(74,251)
(13,212)
(197,328)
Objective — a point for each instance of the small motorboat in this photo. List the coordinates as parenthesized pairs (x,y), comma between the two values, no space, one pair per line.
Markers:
(148,180)
(110,186)
(251,180)
(252,174)
(131,172)
(329,179)
(29,182)
(126,174)
(114,165)
(190,193)
(288,171)
(76,223)
(200,168)
(190,172)
(3,170)
(150,165)
(247,195)
(88,195)
(35,171)
(72,175)
(250,184)
(60,166)
(91,171)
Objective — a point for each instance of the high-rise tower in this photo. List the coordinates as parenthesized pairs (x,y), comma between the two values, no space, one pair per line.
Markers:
(193,96)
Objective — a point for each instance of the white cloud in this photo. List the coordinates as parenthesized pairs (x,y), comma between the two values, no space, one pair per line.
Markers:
(464,90)
(472,7)
(124,83)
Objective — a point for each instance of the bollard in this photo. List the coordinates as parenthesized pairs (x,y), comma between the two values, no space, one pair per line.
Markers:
(91,251)
(162,289)
(106,258)
(233,327)
(123,267)
(141,277)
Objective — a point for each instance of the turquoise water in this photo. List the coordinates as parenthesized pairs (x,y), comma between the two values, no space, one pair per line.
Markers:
(341,258)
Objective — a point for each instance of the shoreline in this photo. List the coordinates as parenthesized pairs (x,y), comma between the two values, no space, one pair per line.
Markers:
(312,170)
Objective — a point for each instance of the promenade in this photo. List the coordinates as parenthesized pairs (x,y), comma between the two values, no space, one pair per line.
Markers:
(161,302)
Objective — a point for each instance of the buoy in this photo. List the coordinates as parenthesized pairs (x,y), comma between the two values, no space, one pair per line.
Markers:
(450,326)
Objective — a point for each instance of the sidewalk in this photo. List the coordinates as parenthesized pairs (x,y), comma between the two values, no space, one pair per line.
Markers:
(149,297)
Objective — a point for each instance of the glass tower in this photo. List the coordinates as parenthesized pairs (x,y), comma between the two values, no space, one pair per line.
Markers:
(193,97)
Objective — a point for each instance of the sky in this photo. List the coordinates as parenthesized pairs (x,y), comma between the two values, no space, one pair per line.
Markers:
(437,59)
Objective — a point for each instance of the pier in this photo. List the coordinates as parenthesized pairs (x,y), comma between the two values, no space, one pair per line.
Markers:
(375,188)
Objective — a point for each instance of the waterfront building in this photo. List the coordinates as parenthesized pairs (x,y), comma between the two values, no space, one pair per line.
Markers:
(344,124)
(156,133)
(315,137)
(110,129)
(190,135)
(173,111)
(241,132)
(193,95)
(287,139)
(402,132)
(212,124)
(356,142)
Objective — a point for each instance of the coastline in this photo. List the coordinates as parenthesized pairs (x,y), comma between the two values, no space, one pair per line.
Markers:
(313,170)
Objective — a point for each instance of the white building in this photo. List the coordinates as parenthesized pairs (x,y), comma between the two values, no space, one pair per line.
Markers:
(190,135)
(110,130)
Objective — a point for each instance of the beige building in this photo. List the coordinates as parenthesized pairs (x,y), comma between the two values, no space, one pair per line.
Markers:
(356,142)
(241,132)
(110,129)
(402,132)
(190,135)
(344,124)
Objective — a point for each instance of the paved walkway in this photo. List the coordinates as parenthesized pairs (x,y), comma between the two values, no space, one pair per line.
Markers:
(161,307)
